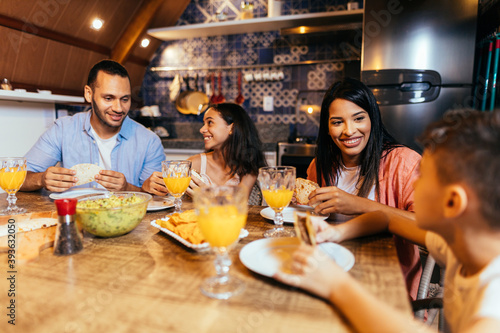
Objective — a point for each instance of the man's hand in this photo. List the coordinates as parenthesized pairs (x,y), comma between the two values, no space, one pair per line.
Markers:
(155,184)
(56,179)
(112,180)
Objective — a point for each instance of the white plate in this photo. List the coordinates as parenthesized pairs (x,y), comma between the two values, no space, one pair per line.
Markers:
(45,92)
(197,247)
(159,203)
(268,213)
(269,255)
(75,193)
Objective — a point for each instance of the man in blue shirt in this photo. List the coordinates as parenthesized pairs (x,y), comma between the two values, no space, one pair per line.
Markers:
(128,152)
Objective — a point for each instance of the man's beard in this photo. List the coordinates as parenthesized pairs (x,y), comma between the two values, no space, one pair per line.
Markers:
(101,117)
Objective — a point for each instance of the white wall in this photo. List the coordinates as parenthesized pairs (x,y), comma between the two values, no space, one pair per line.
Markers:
(21,124)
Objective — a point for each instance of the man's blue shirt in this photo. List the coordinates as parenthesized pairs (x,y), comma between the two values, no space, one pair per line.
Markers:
(137,154)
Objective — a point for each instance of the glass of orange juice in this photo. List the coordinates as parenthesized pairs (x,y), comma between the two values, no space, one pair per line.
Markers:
(277,184)
(12,176)
(176,175)
(222,213)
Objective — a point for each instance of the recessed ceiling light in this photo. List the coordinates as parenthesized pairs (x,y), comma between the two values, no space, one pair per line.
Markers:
(97,24)
(145,42)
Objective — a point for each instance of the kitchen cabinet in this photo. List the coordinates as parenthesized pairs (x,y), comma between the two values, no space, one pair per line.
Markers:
(329,20)
(24,116)
(183,154)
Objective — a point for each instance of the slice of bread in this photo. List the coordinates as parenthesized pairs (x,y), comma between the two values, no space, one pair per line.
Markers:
(303,188)
(304,228)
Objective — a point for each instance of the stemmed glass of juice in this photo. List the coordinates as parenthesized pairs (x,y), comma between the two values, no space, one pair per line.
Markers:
(176,175)
(12,176)
(277,184)
(222,213)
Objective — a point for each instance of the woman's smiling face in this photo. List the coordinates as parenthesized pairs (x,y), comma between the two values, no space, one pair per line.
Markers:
(215,130)
(350,128)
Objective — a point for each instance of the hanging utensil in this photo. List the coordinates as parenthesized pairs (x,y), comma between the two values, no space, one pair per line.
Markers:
(196,98)
(175,87)
(239,99)
(495,71)
(180,103)
(487,76)
(220,97)
(208,84)
(213,98)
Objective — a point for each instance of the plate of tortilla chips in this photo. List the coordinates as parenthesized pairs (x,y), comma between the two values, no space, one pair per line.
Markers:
(183,227)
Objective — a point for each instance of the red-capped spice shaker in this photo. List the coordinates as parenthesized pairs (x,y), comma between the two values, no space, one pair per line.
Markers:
(68,238)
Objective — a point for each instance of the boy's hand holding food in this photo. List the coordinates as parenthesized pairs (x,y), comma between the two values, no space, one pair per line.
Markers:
(313,271)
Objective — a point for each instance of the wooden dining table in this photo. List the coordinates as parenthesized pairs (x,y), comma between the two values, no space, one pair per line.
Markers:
(146,281)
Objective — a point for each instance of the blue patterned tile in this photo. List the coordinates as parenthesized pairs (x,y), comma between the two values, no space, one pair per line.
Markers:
(251,49)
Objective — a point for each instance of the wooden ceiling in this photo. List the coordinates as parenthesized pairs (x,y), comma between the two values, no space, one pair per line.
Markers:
(48,44)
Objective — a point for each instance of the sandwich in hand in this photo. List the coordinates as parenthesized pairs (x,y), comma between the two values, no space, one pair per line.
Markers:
(304,228)
(303,189)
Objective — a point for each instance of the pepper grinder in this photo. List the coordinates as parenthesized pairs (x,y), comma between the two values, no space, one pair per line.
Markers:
(68,238)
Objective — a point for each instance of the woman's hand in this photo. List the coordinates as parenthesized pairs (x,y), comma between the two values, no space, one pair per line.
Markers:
(333,200)
(155,184)
(193,185)
(314,271)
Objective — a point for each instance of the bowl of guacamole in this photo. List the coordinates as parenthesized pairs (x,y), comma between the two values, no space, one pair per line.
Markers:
(111,214)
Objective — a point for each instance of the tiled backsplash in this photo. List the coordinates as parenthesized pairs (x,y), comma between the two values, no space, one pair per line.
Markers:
(263,49)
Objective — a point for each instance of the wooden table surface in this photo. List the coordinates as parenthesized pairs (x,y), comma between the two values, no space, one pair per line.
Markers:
(146,281)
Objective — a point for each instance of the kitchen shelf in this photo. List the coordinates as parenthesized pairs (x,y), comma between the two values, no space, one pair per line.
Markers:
(23,96)
(217,68)
(259,24)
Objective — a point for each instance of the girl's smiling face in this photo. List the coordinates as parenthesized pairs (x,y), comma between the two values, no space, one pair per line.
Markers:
(215,130)
(350,128)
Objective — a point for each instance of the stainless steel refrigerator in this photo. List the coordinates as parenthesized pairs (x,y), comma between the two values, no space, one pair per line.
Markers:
(418,59)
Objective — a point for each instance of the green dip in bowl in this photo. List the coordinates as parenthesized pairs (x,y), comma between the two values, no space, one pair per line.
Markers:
(111,214)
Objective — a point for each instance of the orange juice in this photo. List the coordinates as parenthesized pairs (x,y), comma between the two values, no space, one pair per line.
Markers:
(278,199)
(221,225)
(11,182)
(177,186)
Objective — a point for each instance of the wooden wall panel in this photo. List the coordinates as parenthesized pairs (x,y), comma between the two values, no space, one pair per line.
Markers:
(36,62)
(8,52)
(28,62)
(148,52)
(54,64)
(77,20)
(80,64)
(136,73)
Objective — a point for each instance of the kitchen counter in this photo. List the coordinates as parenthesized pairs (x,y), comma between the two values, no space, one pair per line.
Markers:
(146,281)
(24,116)
(199,145)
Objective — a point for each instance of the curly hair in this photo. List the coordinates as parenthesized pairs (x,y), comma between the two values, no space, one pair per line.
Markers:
(466,144)
(242,150)
(329,157)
